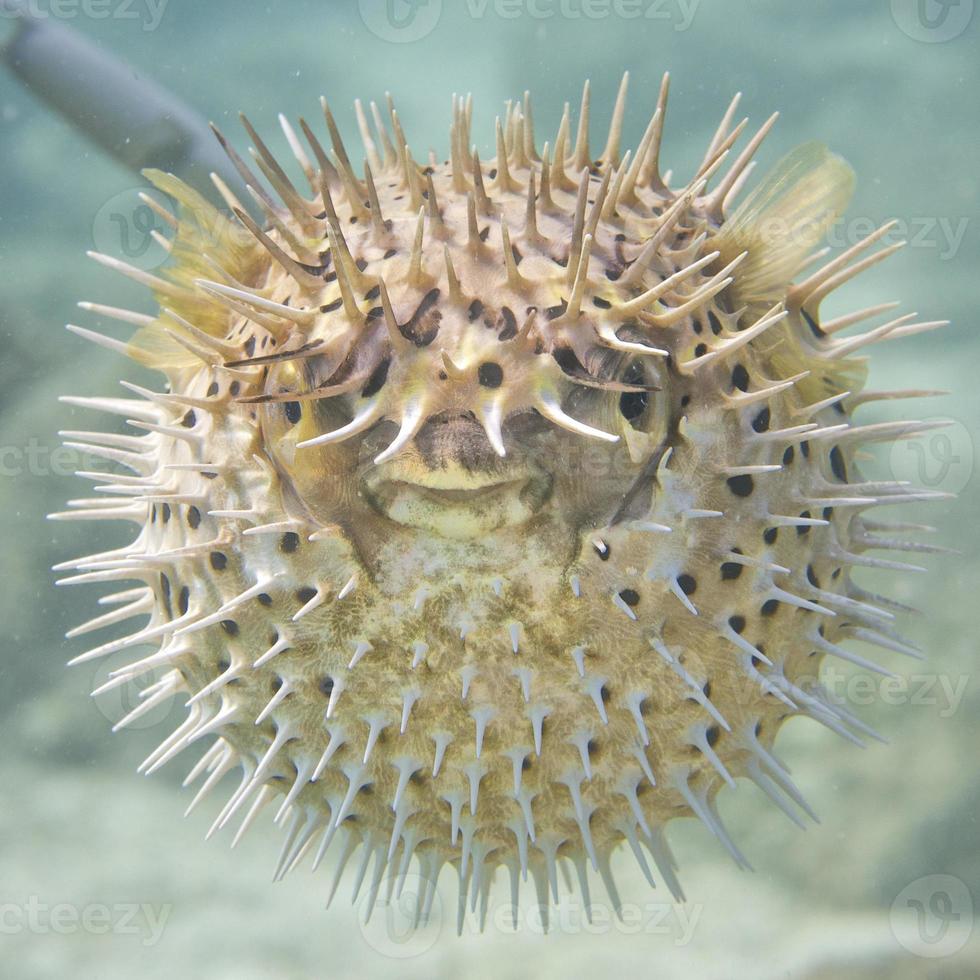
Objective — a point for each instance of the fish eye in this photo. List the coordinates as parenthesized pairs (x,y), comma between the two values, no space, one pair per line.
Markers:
(633,405)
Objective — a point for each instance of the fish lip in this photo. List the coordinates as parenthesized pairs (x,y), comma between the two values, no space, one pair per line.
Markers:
(453,495)
(454,480)
(458,482)
(493,502)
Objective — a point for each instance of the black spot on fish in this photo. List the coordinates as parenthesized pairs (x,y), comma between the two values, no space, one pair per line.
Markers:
(490,374)
(741,486)
(553,312)
(509,330)
(837,464)
(423,327)
(813,325)
(377,380)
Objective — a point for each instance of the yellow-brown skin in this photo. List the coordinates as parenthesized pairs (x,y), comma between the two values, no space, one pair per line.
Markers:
(581,628)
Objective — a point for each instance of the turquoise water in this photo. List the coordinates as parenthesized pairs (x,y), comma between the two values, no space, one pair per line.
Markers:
(893,87)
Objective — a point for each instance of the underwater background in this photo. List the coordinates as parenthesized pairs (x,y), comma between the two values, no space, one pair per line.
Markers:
(100,876)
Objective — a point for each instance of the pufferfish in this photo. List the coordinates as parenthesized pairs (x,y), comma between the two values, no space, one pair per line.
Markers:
(496,513)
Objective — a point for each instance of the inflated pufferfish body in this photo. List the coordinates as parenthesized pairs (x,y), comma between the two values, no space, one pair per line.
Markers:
(497,513)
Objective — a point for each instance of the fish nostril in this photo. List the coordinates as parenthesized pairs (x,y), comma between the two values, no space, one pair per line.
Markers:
(453,418)
(456,438)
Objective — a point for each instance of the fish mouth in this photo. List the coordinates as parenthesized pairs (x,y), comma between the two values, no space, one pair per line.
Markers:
(448,496)
(453,502)
(450,481)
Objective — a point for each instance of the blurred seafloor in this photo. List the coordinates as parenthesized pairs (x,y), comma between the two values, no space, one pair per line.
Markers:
(78,826)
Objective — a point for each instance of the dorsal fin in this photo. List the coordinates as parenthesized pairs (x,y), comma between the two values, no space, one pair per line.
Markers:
(783,220)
